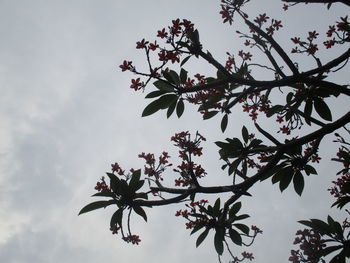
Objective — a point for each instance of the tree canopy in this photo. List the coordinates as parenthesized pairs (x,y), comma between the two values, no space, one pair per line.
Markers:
(291,111)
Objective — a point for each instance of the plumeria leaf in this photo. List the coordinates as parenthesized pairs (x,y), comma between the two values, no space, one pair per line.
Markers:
(117,217)
(298,182)
(224,122)
(139,210)
(201,237)
(96,205)
(235,237)
(163,85)
(322,109)
(171,109)
(180,107)
(209,114)
(219,241)
(245,134)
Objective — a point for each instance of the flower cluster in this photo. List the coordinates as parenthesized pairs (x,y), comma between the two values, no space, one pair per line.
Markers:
(310,244)
(153,170)
(274,24)
(102,187)
(255,103)
(134,239)
(308,47)
(187,146)
(194,214)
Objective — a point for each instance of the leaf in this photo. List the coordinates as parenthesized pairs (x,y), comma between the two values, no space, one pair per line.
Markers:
(285,181)
(172,77)
(185,60)
(155,94)
(197,227)
(183,75)
(218,242)
(209,114)
(322,109)
(96,205)
(235,209)
(139,210)
(163,85)
(135,178)
(241,217)
(171,109)
(327,250)
(117,217)
(308,110)
(162,103)
(235,237)
(104,194)
(224,122)
(245,134)
(243,228)
(216,208)
(151,108)
(310,170)
(180,107)
(298,182)
(201,237)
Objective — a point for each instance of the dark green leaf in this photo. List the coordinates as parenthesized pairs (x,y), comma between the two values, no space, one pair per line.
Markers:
(209,114)
(117,218)
(185,60)
(135,178)
(310,170)
(245,134)
(216,208)
(155,94)
(235,237)
(243,228)
(224,122)
(141,195)
(322,109)
(235,209)
(241,217)
(218,242)
(104,194)
(171,108)
(96,205)
(327,250)
(201,237)
(162,103)
(139,210)
(180,107)
(197,227)
(298,182)
(163,85)
(172,77)
(151,108)
(285,181)
(308,110)
(183,75)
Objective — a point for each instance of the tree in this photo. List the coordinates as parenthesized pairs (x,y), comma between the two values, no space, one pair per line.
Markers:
(294,99)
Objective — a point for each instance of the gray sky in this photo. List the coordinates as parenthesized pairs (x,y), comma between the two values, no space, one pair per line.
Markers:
(67,113)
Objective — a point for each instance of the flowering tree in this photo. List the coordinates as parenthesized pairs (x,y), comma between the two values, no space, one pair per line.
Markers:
(296,100)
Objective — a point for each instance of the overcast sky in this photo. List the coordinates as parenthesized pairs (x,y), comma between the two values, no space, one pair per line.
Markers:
(67,113)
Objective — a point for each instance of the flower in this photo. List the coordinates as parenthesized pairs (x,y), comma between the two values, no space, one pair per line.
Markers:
(141,44)
(162,33)
(126,65)
(136,84)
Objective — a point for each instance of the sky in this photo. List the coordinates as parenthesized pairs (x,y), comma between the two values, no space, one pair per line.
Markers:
(67,113)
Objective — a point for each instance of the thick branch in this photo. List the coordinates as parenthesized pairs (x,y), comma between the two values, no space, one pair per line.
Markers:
(345,2)
(243,187)
(287,81)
